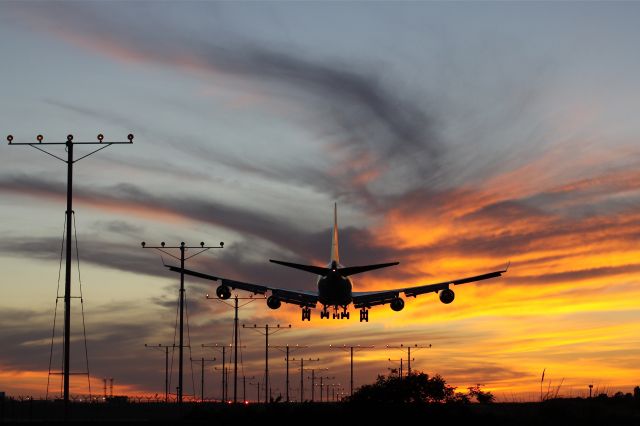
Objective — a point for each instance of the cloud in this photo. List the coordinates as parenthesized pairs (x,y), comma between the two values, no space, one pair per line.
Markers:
(369,123)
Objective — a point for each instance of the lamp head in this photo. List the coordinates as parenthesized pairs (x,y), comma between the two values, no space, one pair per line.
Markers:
(143,244)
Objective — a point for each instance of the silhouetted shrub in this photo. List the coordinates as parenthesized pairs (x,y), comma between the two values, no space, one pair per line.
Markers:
(481,396)
(414,388)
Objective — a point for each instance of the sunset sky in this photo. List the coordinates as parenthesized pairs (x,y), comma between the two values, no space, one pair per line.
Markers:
(454,137)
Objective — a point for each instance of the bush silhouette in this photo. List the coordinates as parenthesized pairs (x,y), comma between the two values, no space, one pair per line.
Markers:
(414,388)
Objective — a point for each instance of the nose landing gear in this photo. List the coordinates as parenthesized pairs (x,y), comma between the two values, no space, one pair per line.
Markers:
(336,315)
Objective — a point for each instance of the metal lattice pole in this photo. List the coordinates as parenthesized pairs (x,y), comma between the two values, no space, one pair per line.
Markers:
(70,161)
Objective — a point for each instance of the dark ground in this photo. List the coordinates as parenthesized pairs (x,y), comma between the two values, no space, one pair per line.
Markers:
(561,412)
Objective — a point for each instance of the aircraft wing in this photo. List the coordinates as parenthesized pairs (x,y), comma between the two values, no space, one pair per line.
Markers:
(295,297)
(373,298)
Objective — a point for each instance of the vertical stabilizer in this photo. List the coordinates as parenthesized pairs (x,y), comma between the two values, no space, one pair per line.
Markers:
(335,256)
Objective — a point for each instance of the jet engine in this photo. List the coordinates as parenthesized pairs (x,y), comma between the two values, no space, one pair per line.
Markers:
(273,302)
(397,304)
(223,292)
(447,296)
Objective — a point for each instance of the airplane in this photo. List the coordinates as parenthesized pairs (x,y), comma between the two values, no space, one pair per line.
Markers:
(335,287)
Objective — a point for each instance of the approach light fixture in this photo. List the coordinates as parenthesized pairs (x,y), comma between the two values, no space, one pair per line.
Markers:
(143,244)
(10,138)
(100,137)
(162,244)
(201,243)
(69,138)
(39,138)
(221,244)
(130,137)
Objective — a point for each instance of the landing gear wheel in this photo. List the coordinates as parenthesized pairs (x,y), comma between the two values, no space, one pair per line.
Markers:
(306,314)
(344,314)
(324,314)
(364,315)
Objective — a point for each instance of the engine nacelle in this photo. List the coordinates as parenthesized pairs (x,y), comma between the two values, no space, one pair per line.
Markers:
(397,304)
(273,302)
(223,292)
(447,296)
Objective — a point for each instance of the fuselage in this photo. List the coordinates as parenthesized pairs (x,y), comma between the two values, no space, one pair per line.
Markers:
(334,289)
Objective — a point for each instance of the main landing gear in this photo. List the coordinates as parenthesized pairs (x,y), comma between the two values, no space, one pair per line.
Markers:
(364,315)
(324,313)
(340,315)
(336,315)
(306,314)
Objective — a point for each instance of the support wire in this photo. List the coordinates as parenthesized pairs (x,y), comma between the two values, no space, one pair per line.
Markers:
(55,312)
(193,383)
(84,328)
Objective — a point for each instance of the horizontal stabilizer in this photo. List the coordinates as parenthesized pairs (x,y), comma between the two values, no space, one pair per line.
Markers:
(318,270)
(352,270)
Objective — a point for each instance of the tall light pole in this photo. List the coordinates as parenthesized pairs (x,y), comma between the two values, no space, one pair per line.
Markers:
(70,160)
(235,307)
(400,370)
(165,349)
(183,249)
(287,350)
(313,380)
(202,361)
(302,369)
(415,347)
(267,331)
(257,385)
(223,349)
(351,349)
(322,384)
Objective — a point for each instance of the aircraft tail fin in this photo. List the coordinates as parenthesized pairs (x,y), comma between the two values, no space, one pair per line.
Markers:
(335,255)
(318,270)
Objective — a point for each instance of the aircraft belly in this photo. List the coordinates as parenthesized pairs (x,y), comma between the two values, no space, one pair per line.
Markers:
(334,291)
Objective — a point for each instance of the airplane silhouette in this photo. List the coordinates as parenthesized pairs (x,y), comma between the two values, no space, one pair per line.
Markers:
(335,287)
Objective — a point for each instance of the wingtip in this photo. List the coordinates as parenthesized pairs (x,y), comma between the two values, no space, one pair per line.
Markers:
(506,268)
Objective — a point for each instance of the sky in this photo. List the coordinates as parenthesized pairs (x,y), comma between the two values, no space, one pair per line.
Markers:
(453,136)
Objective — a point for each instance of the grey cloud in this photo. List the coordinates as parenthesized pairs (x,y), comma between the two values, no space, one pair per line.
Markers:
(368,113)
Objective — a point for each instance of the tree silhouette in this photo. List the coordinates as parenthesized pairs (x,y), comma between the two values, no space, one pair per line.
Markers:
(414,388)
(481,396)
